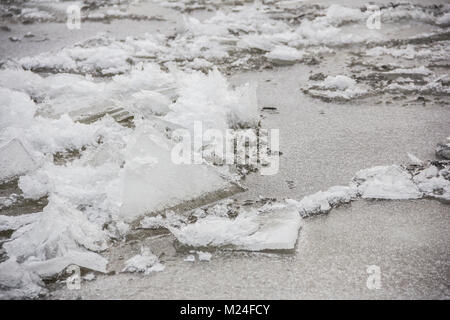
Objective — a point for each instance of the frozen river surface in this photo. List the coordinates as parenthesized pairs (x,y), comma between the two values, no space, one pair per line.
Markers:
(381,106)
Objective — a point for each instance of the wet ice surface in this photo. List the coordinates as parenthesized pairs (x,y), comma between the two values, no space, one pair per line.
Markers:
(340,109)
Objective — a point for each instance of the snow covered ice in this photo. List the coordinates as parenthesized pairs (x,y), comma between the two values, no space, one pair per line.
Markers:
(145,262)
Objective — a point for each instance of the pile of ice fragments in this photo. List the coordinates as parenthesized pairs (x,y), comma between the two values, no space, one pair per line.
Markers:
(60,141)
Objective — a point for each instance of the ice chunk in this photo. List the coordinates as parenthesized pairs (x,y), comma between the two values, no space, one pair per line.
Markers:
(414,160)
(146,102)
(271,229)
(17,282)
(282,55)
(444,19)
(443,149)
(60,236)
(15,222)
(337,14)
(14,160)
(336,87)
(152,181)
(189,258)
(169,219)
(20,80)
(445,196)
(430,181)
(323,201)
(118,229)
(50,267)
(16,109)
(339,82)
(145,262)
(386,182)
(208,98)
(257,41)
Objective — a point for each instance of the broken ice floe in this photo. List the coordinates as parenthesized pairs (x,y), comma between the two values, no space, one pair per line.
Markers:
(395,182)
(145,262)
(17,282)
(433,180)
(324,201)
(338,87)
(386,182)
(56,238)
(14,160)
(16,108)
(264,229)
(170,184)
(443,149)
(16,222)
(284,55)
